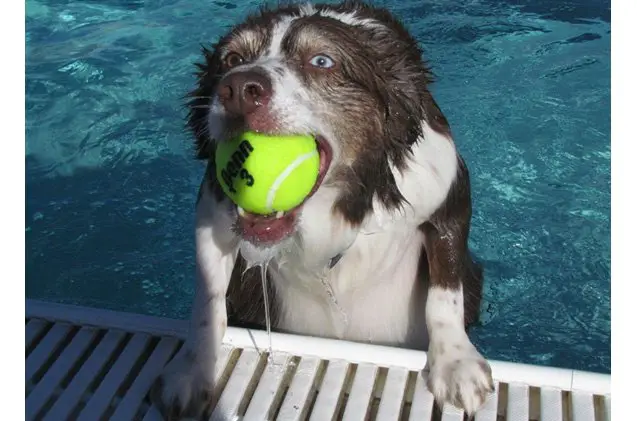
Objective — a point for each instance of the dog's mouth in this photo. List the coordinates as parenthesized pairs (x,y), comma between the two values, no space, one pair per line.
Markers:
(271,229)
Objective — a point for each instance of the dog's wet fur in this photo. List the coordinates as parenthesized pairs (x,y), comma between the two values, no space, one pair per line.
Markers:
(379,252)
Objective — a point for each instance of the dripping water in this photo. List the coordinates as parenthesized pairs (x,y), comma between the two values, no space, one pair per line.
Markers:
(268,325)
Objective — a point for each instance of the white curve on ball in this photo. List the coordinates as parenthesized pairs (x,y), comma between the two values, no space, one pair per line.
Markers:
(281,178)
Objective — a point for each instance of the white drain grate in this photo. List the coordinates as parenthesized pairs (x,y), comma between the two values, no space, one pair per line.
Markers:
(85,364)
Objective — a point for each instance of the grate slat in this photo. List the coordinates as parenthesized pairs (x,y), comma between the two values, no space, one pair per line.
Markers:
(391,402)
(269,390)
(518,402)
(423,401)
(296,401)
(138,390)
(85,376)
(550,404)
(330,392)
(41,394)
(33,329)
(361,394)
(46,348)
(101,399)
(582,406)
(242,377)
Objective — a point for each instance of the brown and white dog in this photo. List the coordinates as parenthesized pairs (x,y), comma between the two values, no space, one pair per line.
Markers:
(378,253)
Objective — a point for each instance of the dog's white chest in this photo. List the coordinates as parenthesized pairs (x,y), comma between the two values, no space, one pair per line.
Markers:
(370,295)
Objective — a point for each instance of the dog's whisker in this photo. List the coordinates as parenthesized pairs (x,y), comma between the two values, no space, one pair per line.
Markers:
(202,131)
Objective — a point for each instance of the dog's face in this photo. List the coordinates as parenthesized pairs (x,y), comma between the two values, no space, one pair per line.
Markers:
(351,76)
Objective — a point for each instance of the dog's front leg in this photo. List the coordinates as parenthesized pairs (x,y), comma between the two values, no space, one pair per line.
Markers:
(185,387)
(457,373)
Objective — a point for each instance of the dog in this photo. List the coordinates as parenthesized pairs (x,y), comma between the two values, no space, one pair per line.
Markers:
(378,252)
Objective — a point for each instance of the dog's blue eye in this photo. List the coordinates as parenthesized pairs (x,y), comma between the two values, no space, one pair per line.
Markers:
(322,61)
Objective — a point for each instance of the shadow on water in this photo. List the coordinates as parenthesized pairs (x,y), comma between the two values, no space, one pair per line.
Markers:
(93,237)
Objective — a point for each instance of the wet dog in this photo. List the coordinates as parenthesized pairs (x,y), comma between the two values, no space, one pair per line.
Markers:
(378,253)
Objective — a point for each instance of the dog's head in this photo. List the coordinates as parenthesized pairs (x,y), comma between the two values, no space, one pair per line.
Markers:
(348,74)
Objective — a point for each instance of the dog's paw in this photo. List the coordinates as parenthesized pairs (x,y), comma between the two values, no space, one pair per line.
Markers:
(184,389)
(460,376)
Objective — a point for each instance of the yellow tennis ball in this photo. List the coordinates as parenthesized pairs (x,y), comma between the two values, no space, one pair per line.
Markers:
(264,174)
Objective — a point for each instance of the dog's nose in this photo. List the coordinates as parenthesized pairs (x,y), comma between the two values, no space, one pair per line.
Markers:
(241,93)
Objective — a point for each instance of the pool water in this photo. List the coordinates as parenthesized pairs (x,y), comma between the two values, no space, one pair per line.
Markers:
(111,183)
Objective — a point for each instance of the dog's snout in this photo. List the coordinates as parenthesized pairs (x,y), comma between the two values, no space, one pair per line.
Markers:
(241,93)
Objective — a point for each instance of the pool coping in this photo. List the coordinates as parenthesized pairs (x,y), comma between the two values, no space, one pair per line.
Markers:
(580,386)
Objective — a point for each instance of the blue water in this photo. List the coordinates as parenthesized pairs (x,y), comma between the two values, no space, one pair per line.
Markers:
(111,184)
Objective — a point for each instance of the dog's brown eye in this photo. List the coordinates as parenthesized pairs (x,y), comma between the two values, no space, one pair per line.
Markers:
(233,60)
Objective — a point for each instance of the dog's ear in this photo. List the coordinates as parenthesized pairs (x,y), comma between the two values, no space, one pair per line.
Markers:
(407,79)
(403,80)
(198,100)
(395,74)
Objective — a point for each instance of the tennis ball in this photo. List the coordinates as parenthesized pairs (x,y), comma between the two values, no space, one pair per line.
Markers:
(264,174)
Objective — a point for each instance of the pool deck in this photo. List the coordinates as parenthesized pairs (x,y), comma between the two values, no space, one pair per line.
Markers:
(92,364)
